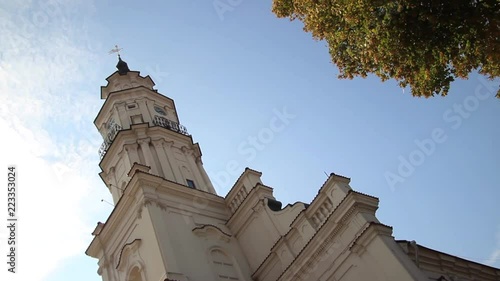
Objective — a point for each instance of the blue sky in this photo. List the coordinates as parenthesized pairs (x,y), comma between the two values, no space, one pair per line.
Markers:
(230,73)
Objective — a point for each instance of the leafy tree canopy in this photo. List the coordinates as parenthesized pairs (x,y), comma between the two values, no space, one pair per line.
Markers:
(425,44)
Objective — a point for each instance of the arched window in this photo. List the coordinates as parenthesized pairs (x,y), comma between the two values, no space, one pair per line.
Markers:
(223,266)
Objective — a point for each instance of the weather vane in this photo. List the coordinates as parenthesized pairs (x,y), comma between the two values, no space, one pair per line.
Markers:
(116,50)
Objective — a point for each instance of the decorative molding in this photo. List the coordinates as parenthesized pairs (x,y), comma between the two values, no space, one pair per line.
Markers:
(168,144)
(155,202)
(187,151)
(131,147)
(138,167)
(209,231)
(366,234)
(98,228)
(126,249)
(139,212)
(144,141)
(260,205)
(338,226)
(198,160)
(102,267)
(158,143)
(149,202)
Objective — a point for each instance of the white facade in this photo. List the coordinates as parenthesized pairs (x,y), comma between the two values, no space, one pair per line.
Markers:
(169,224)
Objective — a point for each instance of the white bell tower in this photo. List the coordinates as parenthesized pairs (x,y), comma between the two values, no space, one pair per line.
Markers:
(168,223)
(140,125)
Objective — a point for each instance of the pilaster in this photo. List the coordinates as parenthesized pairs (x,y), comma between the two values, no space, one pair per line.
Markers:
(148,155)
(204,175)
(189,153)
(173,162)
(132,154)
(122,115)
(162,156)
(144,111)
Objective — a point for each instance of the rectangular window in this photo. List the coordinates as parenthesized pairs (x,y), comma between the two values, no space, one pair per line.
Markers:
(190,183)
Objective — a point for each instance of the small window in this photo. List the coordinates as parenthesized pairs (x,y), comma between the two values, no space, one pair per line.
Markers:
(190,183)
(131,106)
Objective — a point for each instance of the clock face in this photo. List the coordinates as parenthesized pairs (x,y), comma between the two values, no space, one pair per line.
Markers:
(160,110)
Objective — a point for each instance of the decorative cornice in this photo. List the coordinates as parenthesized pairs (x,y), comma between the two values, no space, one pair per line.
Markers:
(98,228)
(358,244)
(136,167)
(433,254)
(255,189)
(136,131)
(247,171)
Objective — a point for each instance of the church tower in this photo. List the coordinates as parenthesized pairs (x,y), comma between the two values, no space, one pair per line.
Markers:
(150,135)
(167,219)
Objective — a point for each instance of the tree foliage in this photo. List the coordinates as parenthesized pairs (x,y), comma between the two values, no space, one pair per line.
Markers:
(425,44)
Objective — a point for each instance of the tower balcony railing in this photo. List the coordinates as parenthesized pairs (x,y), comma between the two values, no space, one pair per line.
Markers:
(113,131)
(169,124)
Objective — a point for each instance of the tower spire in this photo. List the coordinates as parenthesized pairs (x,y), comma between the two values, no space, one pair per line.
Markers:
(121,65)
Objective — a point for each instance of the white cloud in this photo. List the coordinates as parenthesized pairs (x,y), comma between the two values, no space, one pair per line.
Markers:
(494,259)
(49,227)
(47,132)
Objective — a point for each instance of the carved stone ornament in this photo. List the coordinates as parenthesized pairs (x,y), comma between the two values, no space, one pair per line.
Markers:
(211,232)
(150,202)
(128,254)
(187,151)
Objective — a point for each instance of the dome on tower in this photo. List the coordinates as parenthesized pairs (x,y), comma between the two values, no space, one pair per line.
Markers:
(122,66)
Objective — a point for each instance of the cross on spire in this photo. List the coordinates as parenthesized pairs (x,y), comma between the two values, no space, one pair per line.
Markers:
(116,50)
